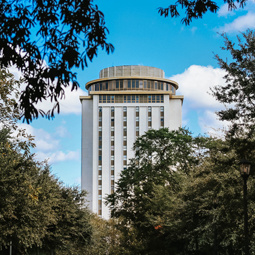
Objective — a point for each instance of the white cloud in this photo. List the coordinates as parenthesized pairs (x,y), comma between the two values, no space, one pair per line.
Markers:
(44,141)
(48,146)
(210,123)
(61,131)
(54,157)
(240,24)
(69,104)
(224,11)
(195,84)
(199,104)
(193,30)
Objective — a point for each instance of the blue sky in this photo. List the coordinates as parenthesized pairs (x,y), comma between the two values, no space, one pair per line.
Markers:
(142,37)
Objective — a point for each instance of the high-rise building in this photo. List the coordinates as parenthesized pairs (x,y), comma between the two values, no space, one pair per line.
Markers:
(122,104)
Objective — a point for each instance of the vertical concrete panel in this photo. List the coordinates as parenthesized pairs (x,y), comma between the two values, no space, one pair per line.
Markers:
(86,152)
(118,141)
(130,131)
(167,111)
(106,157)
(143,116)
(175,117)
(95,153)
(155,117)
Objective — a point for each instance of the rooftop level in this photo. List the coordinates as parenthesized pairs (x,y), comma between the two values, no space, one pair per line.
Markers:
(133,77)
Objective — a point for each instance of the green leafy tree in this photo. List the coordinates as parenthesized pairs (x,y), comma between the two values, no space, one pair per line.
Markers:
(162,159)
(196,9)
(183,195)
(106,238)
(238,92)
(46,41)
(37,213)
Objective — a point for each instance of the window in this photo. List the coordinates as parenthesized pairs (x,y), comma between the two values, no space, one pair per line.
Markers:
(112,157)
(137,108)
(124,109)
(137,118)
(133,84)
(161,108)
(124,148)
(112,138)
(149,118)
(124,118)
(137,84)
(149,109)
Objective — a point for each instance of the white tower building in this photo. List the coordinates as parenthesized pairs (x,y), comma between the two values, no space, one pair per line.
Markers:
(122,104)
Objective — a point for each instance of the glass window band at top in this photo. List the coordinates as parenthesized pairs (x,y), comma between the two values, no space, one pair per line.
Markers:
(131,98)
(132,84)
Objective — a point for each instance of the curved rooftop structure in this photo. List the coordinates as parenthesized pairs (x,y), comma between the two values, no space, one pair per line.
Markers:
(132,77)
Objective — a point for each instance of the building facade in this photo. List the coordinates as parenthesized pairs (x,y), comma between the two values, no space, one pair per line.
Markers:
(121,105)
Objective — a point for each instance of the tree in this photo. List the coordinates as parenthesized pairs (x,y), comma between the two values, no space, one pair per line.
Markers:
(46,40)
(37,213)
(163,157)
(183,196)
(196,9)
(238,92)
(9,92)
(106,238)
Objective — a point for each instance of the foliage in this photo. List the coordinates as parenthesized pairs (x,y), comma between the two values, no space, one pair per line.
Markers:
(36,211)
(46,40)
(238,92)
(196,9)
(209,213)
(9,92)
(195,207)
(162,158)
(106,238)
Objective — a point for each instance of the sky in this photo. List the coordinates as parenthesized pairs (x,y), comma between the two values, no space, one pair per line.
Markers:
(142,37)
